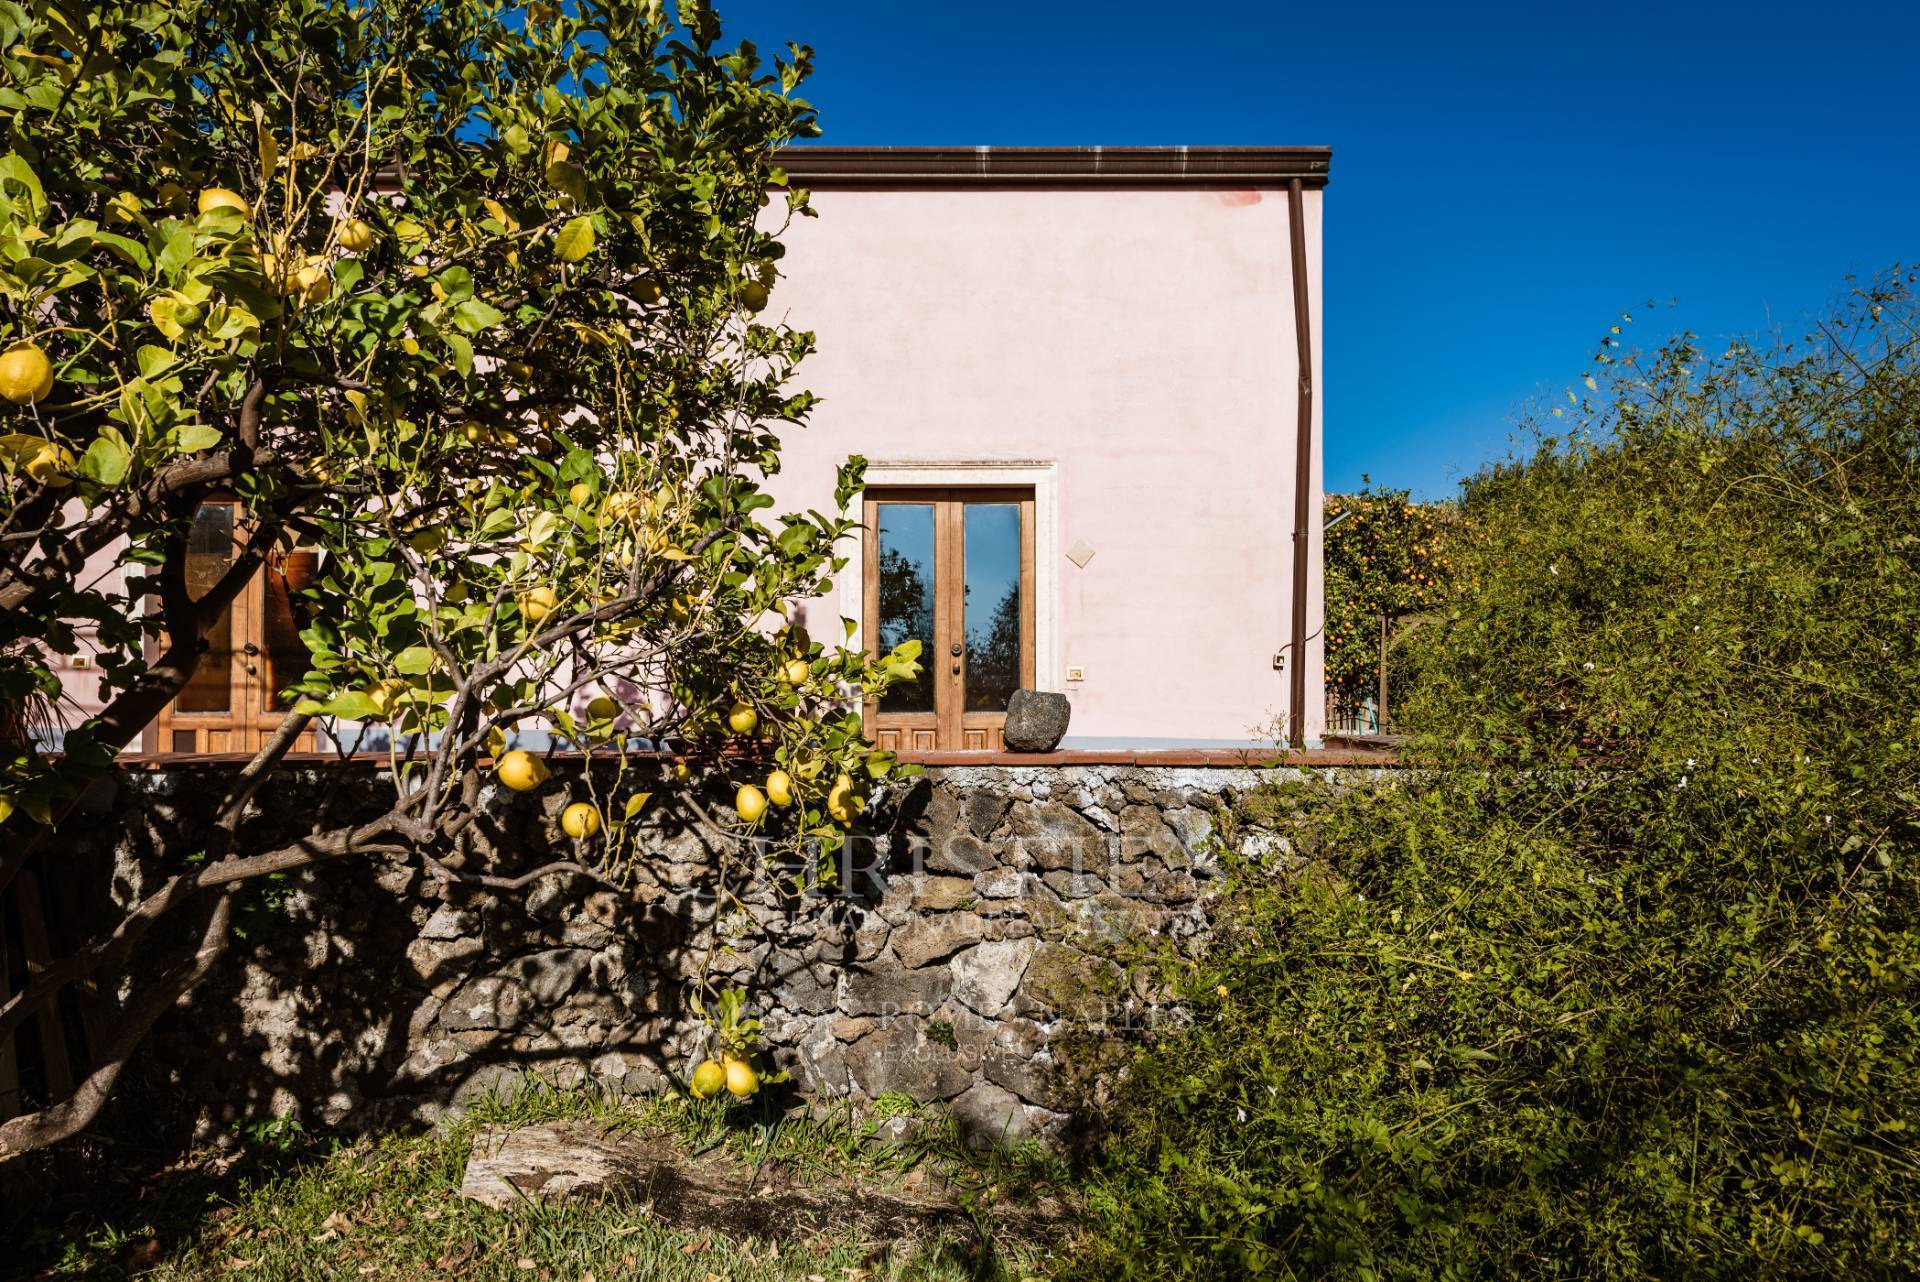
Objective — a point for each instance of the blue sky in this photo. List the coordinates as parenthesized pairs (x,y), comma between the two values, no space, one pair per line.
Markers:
(1507,179)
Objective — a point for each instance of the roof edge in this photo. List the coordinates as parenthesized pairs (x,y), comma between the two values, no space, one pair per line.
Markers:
(820,166)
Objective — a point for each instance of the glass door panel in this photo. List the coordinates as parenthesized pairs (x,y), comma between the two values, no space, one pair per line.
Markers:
(994,605)
(209,556)
(905,551)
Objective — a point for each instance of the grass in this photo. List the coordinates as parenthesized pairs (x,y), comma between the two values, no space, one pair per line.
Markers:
(386,1207)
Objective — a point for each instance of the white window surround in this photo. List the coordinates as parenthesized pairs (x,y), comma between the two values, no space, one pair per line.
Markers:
(1044,478)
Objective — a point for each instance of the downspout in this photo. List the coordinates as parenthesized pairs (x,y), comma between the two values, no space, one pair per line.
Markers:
(1302,472)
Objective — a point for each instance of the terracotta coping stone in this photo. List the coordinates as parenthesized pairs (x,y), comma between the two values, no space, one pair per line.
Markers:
(1188,758)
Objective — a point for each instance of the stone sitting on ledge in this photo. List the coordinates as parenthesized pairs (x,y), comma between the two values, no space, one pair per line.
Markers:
(1036,720)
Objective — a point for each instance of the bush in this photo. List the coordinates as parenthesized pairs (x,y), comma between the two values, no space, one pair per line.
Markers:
(1619,981)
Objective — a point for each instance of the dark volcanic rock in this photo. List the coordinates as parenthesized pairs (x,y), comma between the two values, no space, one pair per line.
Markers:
(1036,720)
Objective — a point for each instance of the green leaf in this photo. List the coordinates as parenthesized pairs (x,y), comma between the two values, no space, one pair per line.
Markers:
(153,360)
(414,661)
(193,437)
(635,802)
(107,459)
(353,705)
(16,175)
(131,250)
(462,352)
(175,252)
(575,240)
(474,316)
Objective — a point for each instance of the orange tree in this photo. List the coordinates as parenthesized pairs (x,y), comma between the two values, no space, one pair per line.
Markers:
(1385,555)
(469,298)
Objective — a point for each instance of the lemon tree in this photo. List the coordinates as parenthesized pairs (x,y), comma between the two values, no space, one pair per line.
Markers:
(1387,558)
(477,301)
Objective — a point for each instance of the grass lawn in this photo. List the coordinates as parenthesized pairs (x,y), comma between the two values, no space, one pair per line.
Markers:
(386,1206)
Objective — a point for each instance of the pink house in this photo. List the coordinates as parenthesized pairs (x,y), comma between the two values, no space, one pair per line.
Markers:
(1086,381)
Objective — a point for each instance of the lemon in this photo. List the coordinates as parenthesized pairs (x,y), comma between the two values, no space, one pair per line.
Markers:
(580,820)
(538,603)
(742,1081)
(580,495)
(26,375)
(647,291)
(752,295)
(411,346)
(741,718)
(622,505)
(356,235)
(312,282)
(795,672)
(842,804)
(780,788)
(750,803)
(521,771)
(222,198)
(709,1079)
(385,693)
(603,708)
(52,466)
(682,772)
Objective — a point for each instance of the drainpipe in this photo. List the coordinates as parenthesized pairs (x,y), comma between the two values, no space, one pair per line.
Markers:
(1302,471)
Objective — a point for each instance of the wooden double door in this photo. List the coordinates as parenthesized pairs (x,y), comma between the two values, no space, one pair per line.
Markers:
(953,569)
(233,702)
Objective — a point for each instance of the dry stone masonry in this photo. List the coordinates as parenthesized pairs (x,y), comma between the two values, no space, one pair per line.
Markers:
(967,953)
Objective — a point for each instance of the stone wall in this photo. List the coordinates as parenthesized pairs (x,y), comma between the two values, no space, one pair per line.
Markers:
(967,951)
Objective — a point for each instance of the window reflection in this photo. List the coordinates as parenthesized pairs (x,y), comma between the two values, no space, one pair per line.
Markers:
(992,605)
(209,554)
(905,553)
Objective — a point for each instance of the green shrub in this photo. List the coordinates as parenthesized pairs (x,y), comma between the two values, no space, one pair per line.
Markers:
(1618,981)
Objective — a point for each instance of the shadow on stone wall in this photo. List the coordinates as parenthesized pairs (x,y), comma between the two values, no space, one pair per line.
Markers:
(966,955)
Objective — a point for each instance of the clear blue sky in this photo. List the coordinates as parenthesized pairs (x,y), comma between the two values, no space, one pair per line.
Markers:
(1506,178)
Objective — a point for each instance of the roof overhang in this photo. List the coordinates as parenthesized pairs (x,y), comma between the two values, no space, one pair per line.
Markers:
(818,166)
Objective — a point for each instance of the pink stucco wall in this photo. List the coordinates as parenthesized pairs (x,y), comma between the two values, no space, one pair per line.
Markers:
(1141,340)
